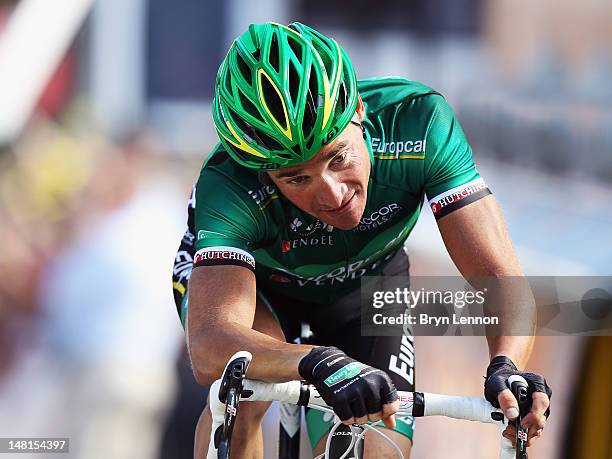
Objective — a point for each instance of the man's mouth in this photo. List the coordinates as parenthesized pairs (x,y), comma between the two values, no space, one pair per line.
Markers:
(343,207)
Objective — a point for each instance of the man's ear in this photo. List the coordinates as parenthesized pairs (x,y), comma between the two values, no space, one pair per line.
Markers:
(360,108)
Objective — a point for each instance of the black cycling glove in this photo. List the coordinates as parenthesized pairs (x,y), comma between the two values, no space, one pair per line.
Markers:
(498,372)
(350,387)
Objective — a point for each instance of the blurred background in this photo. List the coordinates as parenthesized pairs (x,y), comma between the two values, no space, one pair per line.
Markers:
(105,121)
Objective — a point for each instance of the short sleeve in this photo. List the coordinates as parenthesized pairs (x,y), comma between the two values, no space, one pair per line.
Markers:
(451,178)
(227,227)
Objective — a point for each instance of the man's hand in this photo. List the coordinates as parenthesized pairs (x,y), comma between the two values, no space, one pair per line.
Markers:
(534,421)
(358,393)
(498,394)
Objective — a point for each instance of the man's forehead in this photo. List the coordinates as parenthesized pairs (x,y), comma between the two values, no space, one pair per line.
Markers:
(324,155)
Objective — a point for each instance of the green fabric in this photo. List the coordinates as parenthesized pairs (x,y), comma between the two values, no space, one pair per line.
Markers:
(319,424)
(417,148)
(183,313)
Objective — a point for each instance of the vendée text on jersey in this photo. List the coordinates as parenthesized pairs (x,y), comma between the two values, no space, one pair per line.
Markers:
(356,269)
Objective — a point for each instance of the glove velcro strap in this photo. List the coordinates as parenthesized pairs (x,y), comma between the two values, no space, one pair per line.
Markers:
(499,361)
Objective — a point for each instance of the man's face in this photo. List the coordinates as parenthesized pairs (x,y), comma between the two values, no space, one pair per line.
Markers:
(333,185)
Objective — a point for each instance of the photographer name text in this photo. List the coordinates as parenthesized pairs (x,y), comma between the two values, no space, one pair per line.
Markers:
(426,319)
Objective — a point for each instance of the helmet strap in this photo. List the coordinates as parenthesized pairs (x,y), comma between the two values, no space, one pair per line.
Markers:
(264,178)
(356,122)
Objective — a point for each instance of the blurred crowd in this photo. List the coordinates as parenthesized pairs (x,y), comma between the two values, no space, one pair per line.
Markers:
(89,338)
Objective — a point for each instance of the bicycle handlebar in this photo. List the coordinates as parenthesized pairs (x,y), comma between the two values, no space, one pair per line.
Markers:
(415,404)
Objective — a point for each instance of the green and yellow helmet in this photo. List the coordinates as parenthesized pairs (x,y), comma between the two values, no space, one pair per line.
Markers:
(281,93)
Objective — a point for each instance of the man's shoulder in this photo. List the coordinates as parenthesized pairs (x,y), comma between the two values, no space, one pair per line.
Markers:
(229,205)
(381,93)
(399,115)
(225,184)
(219,170)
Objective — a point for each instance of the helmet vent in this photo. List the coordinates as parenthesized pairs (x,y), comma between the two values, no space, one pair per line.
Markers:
(313,87)
(242,125)
(266,141)
(295,47)
(294,83)
(248,106)
(342,99)
(228,82)
(273,102)
(284,154)
(325,54)
(273,57)
(244,69)
(310,142)
(310,111)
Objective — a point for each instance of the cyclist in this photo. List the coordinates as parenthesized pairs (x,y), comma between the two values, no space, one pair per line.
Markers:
(318,179)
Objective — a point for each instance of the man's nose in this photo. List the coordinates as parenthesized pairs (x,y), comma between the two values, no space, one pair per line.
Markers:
(331,192)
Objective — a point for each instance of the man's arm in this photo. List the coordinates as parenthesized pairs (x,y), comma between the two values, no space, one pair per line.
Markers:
(477,240)
(222,302)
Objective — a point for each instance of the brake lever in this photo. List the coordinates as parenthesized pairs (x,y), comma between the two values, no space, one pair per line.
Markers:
(233,376)
(229,393)
(518,386)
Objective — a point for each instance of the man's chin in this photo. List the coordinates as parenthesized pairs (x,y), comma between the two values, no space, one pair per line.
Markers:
(344,223)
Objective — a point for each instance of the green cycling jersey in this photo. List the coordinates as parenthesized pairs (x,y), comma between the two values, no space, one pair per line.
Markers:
(417,150)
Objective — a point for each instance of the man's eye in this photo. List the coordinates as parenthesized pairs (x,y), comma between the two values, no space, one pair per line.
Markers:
(339,159)
(297,180)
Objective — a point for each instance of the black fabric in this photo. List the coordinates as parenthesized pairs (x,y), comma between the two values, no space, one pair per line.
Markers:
(462,203)
(339,325)
(304,395)
(498,372)
(347,393)
(418,407)
(218,262)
